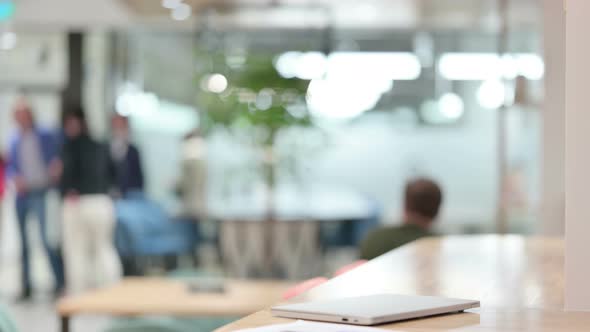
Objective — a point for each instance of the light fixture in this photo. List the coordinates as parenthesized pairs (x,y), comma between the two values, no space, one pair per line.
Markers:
(264,99)
(530,66)
(311,65)
(133,101)
(181,12)
(287,64)
(446,110)
(171,4)
(487,66)
(451,106)
(314,65)
(8,40)
(399,66)
(491,94)
(341,99)
(469,66)
(216,83)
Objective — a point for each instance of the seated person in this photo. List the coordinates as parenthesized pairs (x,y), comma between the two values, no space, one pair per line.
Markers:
(423,198)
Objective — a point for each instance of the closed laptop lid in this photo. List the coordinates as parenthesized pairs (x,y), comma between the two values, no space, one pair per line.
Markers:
(380,306)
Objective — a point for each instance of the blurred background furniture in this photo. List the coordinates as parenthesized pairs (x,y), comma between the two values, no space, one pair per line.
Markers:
(171,297)
(519,281)
(350,233)
(166,324)
(144,229)
(295,237)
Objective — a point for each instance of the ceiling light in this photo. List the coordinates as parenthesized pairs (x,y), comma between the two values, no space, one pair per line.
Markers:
(182,12)
(486,66)
(530,66)
(469,66)
(311,65)
(387,65)
(491,94)
(264,99)
(341,99)
(287,64)
(216,83)
(451,106)
(133,101)
(171,4)
(7,40)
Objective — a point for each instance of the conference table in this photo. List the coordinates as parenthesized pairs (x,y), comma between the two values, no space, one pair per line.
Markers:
(154,296)
(519,281)
(253,245)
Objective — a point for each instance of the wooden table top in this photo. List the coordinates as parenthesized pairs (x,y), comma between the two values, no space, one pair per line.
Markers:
(518,280)
(159,296)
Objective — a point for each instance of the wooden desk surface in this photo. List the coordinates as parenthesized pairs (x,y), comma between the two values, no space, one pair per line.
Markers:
(158,296)
(518,280)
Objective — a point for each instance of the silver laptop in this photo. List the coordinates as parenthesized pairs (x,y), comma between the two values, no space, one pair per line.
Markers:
(373,309)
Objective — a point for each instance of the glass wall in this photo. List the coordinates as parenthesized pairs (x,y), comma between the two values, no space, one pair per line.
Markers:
(359,111)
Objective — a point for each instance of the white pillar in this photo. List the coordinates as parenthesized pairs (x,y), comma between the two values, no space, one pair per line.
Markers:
(553,134)
(577,152)
(96,51)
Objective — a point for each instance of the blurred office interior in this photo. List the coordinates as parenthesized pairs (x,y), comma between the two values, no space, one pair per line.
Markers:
(297,111)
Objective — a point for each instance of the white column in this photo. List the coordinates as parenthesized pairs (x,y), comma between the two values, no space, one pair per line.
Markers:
(553,134)
(96,50)
(577,160)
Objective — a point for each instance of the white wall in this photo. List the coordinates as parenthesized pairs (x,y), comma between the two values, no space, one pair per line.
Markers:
(577,158)
(375,155)
(63,14)
(553,188)
(39,59)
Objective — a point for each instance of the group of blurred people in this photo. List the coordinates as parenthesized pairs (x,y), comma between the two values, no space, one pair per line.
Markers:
(89,175)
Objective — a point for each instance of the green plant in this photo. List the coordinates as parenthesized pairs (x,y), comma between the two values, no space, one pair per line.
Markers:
(236,106)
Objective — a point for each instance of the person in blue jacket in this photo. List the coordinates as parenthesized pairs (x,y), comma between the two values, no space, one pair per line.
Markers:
(33,169)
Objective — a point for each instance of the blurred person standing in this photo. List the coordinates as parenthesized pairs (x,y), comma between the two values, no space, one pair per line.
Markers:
(2,189)
(32,167)
(422,201)
(88,214)
(125,158)
(192,185)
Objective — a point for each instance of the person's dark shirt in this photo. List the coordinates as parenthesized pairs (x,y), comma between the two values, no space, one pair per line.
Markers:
(128,172)
(86,167)
(385,239)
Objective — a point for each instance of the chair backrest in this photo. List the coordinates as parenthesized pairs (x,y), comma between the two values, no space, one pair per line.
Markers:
(142,213)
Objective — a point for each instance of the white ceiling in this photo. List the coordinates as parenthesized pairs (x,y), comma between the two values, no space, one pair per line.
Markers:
(278,13)
(72,13)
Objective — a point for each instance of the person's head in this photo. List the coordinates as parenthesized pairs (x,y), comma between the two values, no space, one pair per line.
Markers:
(120,127)
(74,122)
(423,198)
(23,115)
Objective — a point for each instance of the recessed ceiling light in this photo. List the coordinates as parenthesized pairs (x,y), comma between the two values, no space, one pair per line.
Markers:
(7,40)
(182,12)
(171,4)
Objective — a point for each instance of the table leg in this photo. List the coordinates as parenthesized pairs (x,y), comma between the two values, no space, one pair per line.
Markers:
(65,323)
(243,247)
(297,248)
